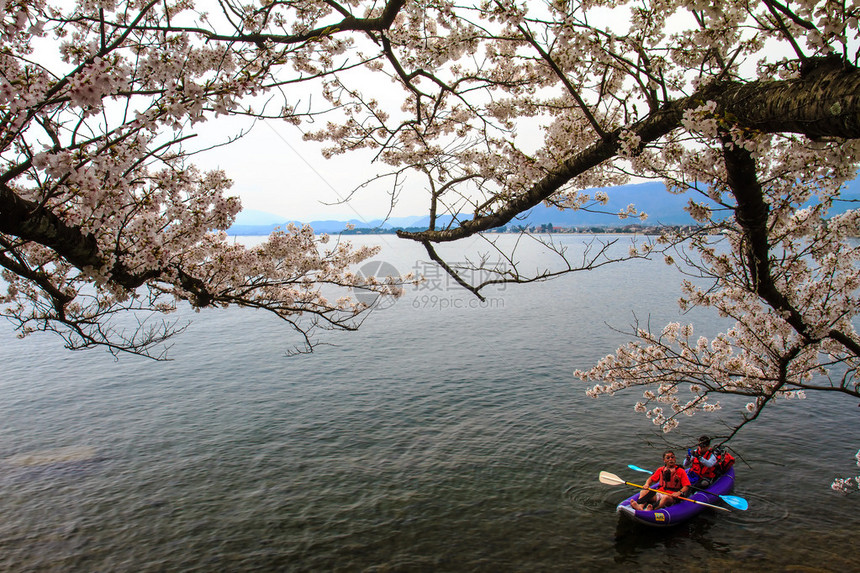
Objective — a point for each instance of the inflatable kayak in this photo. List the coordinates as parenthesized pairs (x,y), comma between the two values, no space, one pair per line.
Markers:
(683,510)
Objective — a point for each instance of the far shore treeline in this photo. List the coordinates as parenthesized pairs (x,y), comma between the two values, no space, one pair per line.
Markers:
(258,230)
(665,211)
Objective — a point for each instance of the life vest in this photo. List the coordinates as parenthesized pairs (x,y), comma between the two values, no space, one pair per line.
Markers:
(675,481)
(725,460)
(701,469)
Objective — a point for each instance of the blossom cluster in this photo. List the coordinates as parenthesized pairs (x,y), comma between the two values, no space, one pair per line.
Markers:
(847,485)
(96,141)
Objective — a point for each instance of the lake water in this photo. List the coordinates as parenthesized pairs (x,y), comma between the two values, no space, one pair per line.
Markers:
(444,435)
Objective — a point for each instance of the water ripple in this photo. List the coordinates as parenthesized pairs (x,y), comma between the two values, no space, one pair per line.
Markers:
(425,441)
(590,500)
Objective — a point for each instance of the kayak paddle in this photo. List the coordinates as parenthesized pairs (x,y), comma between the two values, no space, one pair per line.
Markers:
(732,500)
(612,479)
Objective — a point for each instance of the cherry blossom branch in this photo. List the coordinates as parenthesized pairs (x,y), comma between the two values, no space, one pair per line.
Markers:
(774,6)
(574,93)
(348,24)
(101,216)
(827,105)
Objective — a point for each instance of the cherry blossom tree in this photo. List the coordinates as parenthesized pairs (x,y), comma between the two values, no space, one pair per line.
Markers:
(753,106)
(104,220)
(489,108)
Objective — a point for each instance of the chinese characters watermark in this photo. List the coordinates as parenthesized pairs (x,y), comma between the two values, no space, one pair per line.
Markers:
(433,288)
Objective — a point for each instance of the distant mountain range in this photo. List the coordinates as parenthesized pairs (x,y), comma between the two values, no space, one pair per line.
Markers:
(662,207)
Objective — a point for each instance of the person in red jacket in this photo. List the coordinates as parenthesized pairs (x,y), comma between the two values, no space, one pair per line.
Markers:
(670,479)
(702,461)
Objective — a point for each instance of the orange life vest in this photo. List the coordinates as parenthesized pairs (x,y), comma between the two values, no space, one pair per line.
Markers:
(701,469)
(676,481)
(725,461)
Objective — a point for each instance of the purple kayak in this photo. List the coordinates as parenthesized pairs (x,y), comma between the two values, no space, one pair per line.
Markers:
(683,510)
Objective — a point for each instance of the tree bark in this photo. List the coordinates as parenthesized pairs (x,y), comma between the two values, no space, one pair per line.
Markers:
(29,221)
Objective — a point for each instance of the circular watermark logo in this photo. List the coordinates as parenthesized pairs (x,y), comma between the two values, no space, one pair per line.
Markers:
(381,270)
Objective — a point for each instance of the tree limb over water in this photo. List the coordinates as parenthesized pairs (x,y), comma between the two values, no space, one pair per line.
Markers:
(484,110)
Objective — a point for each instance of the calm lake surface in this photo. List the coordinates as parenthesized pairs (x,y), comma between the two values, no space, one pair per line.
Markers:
(444,435)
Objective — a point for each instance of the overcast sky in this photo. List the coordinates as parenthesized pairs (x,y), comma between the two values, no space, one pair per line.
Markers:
(274,170)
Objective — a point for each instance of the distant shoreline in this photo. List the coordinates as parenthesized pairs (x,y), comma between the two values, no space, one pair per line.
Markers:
(246,231)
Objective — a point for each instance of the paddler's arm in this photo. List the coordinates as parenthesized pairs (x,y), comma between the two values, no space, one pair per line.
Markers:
(685,482)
